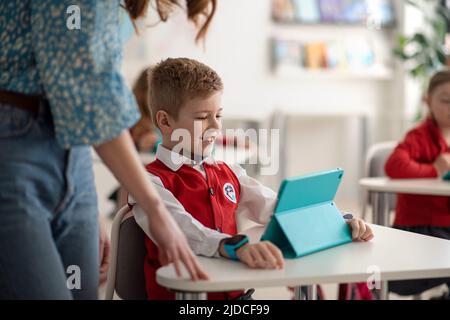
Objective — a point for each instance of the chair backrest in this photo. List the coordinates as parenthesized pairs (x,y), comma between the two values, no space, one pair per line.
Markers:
(375,161)
(126,273)
(376,158)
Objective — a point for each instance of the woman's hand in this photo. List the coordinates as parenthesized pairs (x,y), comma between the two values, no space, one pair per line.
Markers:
(104,251)
(360,230)
(173,245)
(261,255)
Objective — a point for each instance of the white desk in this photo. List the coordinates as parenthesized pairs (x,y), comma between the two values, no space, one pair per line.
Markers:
(434,187)
(397,255)
(381,187)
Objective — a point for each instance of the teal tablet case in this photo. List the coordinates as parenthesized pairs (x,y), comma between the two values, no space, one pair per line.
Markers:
(446,176)
(306,219)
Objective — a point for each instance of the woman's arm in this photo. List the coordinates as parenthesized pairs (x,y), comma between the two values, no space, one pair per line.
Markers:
(202,240)
(121,158)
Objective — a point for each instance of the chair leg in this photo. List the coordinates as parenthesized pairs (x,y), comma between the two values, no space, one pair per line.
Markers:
(190,295)
(375,207)
(384,292)
(365,204)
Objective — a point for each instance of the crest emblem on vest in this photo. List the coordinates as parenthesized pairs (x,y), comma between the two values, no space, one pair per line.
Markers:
(229,192)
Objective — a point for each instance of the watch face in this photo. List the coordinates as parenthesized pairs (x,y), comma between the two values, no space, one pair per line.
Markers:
(235,239)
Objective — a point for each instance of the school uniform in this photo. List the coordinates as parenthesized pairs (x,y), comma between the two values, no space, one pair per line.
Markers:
(204,198)
(428,215)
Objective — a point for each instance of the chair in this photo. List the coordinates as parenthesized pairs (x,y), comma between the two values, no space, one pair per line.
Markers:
(374,167)
(126,270)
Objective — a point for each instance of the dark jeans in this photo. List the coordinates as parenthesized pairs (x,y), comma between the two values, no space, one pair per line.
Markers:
(48,212)
(412,287)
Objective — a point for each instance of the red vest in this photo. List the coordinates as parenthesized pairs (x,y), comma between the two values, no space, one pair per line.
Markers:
(212,202)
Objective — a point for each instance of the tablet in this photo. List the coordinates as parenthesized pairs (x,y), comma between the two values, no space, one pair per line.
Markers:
(299,192)
(446,176)
(306,219)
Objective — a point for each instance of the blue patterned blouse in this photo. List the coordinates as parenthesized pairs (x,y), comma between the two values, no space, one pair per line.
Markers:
(42,51)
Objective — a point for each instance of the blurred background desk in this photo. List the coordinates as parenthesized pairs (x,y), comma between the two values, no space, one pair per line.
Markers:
(381,187)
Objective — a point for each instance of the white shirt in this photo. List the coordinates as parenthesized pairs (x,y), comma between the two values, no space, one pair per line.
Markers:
(256,202)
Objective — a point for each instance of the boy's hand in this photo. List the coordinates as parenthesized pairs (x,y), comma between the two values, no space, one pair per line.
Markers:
(360,230)
(442,164)
(261,255)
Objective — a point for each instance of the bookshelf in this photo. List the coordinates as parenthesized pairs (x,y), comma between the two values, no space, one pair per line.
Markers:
(325,40)
(338,100)
(334,12)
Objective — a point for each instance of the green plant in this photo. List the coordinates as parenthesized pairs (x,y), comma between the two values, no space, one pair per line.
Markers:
(424,52)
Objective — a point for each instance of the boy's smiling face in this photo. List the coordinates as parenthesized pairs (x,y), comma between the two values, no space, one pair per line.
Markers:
(197,126)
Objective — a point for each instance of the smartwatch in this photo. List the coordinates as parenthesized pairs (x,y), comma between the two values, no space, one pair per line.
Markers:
(231,245)
(347,216)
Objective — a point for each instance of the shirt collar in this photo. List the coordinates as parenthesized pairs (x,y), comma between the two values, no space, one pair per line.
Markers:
(175,161)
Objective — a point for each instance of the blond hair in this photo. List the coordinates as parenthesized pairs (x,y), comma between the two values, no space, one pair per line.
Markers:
(174,81)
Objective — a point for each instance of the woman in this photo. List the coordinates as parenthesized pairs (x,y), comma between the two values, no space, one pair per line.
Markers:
(60,92)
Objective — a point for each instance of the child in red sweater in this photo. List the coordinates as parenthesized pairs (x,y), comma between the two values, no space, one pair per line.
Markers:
(424,153)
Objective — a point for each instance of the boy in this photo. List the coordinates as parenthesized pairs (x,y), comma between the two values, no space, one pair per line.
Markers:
(204,195)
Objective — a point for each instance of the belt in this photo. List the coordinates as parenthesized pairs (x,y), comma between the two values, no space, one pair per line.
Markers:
(25,102)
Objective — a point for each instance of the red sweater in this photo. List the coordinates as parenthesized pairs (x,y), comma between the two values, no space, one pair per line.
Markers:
(414,158)
(212,201)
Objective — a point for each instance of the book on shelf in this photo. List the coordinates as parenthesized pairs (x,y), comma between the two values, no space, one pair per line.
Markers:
(359,53)
(315,55)
(306,11)
(370,12)
(336,55)
(287,53)
(352,54)
(282,10)
(380,13)
(354,11)
(331,11)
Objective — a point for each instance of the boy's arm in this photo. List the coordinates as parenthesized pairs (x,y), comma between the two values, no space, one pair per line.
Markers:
(257,201)
(402,163)
(202,240)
